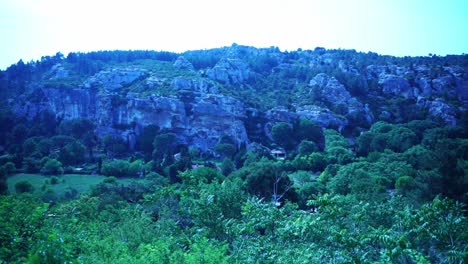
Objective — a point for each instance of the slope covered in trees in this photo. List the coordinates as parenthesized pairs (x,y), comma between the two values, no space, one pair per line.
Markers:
(239,155)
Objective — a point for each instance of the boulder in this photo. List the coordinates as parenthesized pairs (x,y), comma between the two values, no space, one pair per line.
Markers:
(395,85)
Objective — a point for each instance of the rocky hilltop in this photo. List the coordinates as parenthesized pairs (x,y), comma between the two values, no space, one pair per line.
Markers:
(237,91)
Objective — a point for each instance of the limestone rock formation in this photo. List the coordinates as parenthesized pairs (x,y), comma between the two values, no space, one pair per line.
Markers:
(230,71)
(392,84)
(183,64)
(115,78)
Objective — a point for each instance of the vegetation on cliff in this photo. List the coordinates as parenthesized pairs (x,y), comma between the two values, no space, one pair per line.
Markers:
(234,155)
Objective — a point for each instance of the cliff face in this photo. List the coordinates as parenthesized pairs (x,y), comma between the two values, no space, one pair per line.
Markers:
(243,93)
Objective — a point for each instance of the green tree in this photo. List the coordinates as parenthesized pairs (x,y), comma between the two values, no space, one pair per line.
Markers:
(52,167)
(225,150)
(282,135)
(73,153)
(118,168)
(401,139)
(77,128)
(227,167)
(164,144)
(307,147)
(114,145)
(308,130)
(21,217)
(404,184)
(421,158)
(146,138)
(265,179)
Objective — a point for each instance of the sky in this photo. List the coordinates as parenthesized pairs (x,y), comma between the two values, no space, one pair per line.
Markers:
(30,29)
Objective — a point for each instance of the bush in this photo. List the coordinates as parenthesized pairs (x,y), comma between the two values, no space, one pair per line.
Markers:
(404,184)
(3,183)
(54,180)
(110,180)
(52,167)
(118,168)
(23,187)
(157,178)
(136,168)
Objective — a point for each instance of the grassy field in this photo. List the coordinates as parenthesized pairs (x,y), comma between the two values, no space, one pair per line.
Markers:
(81,183)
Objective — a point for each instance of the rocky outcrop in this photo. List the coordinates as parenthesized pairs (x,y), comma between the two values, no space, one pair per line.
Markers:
(115,78)
(183,64)
(425,88)
(201,106)
(442,84)
(322,116)
(395,85)
(439,108)
(65,103)
(230,72)
(280,114)
(214,116)
(211,116)
(335,95)
(58,71)
(329,89)
(199,86)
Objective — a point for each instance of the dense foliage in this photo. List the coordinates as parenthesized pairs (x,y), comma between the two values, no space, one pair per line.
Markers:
(387,192)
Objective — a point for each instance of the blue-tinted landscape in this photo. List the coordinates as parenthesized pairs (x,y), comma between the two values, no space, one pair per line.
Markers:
(235,154)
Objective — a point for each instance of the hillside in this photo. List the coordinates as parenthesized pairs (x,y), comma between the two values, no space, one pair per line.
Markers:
(243,155)
(237,91)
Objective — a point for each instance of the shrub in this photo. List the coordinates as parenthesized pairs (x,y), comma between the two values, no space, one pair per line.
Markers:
(52,167)
(118,168)
(23,187)
(3,183)
(54,180)
(404,184)
(136,168)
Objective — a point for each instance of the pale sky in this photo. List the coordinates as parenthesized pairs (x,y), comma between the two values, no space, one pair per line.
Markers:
(30,29)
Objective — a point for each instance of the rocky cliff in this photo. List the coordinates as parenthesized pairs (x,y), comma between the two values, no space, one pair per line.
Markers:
(240,92)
